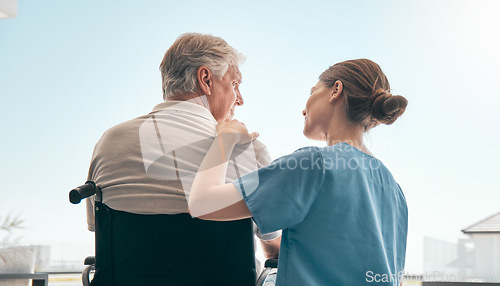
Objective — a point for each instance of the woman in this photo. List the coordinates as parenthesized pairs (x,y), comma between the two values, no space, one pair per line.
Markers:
(344,217)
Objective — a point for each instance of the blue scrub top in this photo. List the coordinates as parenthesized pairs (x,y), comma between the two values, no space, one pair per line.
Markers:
(344,217)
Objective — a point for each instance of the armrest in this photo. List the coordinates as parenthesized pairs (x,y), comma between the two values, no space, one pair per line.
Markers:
(273,263)
(89,260)
(268,265)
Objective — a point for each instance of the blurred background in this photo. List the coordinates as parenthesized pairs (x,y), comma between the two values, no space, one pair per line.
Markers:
(69,70)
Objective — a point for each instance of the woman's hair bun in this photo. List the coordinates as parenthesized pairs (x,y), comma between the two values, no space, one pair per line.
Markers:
(386,107)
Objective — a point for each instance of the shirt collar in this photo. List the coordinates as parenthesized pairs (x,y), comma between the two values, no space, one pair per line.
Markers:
(186,106)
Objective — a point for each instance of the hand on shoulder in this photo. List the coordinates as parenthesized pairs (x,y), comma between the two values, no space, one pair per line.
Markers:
(238,129)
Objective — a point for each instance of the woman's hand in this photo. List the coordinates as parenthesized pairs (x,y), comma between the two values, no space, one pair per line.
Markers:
(238,129)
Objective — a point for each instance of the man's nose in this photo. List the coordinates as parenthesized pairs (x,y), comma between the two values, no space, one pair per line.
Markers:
(239,98)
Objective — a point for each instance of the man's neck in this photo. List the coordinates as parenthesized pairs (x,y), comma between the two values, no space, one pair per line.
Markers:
(201,100)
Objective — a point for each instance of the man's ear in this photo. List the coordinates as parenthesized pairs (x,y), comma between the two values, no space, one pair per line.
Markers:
(204,77)
(336,91)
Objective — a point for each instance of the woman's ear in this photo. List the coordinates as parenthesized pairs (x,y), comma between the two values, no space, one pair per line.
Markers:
(336,91)
(204,77)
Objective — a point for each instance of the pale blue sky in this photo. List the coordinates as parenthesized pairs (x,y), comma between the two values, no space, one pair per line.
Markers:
(69,70)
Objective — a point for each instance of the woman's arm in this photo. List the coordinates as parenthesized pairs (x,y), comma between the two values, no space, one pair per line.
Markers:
(210,198)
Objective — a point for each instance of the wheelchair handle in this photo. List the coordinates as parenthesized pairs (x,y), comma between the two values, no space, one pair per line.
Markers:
(81,192)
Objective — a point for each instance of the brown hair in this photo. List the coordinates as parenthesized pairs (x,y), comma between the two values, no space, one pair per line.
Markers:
(366,90)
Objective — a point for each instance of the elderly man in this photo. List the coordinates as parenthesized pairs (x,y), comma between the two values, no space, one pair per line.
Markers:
(146,166)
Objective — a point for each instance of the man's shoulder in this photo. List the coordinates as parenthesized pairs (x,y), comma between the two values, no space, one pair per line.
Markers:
(261,153)
(126,126)
(259,146)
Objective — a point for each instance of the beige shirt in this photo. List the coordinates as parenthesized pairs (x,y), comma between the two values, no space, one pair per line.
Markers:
(147,165)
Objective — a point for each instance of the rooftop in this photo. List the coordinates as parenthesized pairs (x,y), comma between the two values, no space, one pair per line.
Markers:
(490,224)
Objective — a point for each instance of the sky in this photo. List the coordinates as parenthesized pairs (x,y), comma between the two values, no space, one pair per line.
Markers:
(69,70)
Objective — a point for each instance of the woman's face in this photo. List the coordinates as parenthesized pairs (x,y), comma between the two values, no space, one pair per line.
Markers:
(317,112)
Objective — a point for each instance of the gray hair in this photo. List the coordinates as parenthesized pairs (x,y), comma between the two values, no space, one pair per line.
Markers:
(190,51)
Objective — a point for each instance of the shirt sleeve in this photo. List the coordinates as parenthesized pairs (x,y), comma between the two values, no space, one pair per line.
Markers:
(261,154)
(268,236)
(90,213)
(263,159)
(281,194)
(90,201)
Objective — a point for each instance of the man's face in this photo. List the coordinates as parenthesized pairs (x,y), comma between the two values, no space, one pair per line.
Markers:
(226,95)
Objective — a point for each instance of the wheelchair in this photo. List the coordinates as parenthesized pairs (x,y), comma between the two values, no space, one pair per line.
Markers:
(128,243)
